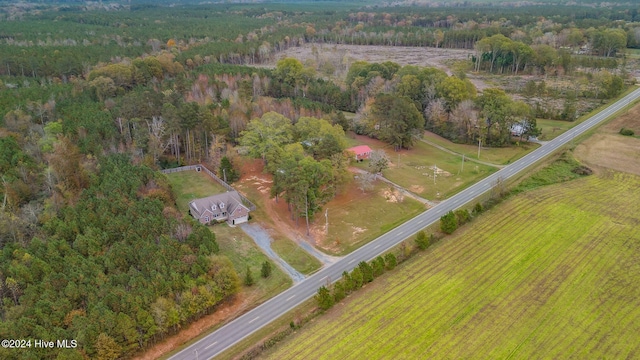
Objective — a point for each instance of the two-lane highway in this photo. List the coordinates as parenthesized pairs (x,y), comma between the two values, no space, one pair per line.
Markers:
(228,335)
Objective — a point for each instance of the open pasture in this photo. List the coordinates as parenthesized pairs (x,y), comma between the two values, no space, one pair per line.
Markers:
(551,273)
(414,169)
(493,155)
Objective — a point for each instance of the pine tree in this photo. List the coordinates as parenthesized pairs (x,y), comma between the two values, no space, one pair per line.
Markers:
(266,269)
(248,278)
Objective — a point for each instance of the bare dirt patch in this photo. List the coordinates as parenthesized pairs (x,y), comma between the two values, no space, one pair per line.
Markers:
(608,149)
(403,55)
(417,189)
(393,195)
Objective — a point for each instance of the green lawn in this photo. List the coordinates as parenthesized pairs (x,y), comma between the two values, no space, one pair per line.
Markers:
(295,256)
(500,156)
(242,251)
(553,128)
(552,273)
(189,185)
(413,170)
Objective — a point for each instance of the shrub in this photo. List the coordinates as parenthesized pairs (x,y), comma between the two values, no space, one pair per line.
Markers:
(367,271)
(378,266)
(477,209)
(448,223)
(390,261)
(582,170)
(324,298)
(339,291)
(348,281)
(626,132)
(356,279)
(422,241)
(463,216)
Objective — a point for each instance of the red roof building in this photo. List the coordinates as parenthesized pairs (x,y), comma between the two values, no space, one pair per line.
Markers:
(362,152)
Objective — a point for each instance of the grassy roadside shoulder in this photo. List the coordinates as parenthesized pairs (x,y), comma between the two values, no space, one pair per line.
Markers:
(295,256)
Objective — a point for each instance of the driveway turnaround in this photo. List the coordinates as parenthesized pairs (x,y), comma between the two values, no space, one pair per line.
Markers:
(230,334)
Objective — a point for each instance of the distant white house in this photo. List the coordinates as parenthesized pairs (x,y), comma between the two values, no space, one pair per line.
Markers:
(221,207)
(517,129)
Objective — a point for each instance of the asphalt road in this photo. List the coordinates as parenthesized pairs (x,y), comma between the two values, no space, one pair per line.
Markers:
(233,332)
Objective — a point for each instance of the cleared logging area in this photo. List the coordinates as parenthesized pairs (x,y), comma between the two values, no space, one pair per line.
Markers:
(552,273)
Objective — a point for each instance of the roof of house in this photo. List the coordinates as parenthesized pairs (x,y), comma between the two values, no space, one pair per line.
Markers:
(225,202)
(360,149)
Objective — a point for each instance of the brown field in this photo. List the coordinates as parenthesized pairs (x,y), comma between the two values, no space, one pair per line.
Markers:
(608,149)
(403,55)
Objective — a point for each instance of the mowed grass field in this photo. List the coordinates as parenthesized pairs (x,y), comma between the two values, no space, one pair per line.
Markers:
(552,273)
(553,128)
(355,218)
(493,155)
(190,185)
(413,169)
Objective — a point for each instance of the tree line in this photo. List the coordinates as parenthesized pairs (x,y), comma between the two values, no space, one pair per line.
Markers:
(117,270)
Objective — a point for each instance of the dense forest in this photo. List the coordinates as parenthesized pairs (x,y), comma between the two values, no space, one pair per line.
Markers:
(97,97)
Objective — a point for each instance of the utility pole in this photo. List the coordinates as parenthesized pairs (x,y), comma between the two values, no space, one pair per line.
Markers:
(306,209)
(479,141)
(224,172)
(326,217)
(462,166)
(435,168)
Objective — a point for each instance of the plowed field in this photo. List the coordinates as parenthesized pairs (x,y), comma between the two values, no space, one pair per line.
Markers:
(552,273)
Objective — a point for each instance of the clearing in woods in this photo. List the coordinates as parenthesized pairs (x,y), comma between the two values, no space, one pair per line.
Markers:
(552,273)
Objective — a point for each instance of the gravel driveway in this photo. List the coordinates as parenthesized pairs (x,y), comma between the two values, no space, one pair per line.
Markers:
(263,240)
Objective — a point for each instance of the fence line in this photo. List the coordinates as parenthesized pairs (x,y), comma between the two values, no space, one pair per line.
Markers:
(245,201)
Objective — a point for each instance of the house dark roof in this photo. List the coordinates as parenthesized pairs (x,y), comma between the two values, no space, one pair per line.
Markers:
(217,204)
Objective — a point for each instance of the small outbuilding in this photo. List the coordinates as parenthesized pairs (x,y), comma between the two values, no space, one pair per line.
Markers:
(221,207)
(362,152)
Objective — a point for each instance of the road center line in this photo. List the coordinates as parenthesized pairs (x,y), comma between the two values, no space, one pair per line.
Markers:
(257,317)
(213,343)
(321,280)
(290,297)
(377,246)
(350,261)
